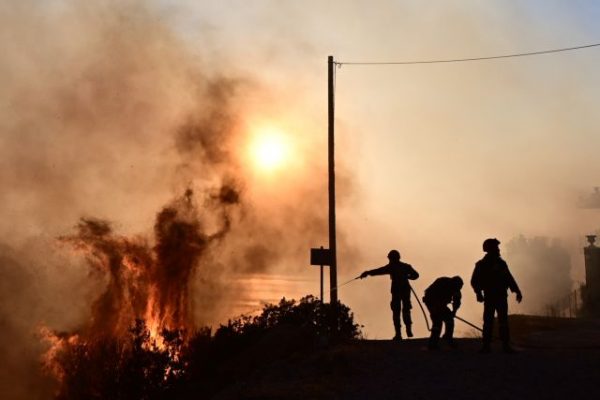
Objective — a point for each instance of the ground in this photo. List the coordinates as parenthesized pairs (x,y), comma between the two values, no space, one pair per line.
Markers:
(556,359)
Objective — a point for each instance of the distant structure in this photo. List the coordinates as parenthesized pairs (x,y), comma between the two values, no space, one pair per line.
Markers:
(591,296)
(592,200)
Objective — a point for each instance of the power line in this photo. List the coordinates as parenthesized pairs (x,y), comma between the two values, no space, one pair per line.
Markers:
(454,60)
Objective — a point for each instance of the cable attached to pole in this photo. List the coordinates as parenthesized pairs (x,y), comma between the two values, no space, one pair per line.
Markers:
(457,60)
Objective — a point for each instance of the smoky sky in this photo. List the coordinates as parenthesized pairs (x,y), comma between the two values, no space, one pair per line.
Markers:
(109,122)
(111,110)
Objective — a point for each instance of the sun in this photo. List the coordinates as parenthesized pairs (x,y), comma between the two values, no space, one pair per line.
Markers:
(269,149)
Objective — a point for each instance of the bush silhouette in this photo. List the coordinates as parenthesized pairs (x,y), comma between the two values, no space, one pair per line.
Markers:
(197,366)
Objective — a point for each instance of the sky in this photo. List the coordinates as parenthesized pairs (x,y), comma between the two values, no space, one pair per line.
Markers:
(431,159)
(441,156)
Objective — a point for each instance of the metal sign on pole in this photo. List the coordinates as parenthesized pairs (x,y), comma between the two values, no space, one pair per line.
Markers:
(320,257)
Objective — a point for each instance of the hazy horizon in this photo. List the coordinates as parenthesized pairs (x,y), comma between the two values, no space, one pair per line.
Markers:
(113,109)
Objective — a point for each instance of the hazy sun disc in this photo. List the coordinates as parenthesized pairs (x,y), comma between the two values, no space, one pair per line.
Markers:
(269,151)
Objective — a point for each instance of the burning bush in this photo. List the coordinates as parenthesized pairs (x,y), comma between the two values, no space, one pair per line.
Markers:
(137,366)
(141,341)
(176,365)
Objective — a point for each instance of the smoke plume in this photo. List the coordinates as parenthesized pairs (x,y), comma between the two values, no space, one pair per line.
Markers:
(544,267)
(106,116)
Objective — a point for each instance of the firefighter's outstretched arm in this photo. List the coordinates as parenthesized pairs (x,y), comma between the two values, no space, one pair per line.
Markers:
(377,271)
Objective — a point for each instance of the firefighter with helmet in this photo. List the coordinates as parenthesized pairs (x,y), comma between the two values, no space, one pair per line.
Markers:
(442,291)
(490,280)
(399,273)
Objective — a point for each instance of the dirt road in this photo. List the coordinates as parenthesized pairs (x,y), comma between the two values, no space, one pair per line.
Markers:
(559,368)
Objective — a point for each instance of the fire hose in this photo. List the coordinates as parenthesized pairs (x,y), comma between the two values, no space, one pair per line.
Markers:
(413,292)
(420,306)
(345,283)
(468,323)
(427,321)
(471,324)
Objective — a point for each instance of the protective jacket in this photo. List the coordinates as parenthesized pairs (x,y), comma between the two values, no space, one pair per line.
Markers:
(399,272)
(492,277)
(443,291)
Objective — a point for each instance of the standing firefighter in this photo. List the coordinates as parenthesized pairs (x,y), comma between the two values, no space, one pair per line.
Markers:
(400,273)
(491,279)
(437,297)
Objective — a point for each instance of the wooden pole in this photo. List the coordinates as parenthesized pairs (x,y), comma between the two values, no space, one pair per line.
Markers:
(331,169)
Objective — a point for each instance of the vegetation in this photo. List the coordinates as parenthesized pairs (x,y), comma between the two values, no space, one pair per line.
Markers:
(131,368)
(137,367)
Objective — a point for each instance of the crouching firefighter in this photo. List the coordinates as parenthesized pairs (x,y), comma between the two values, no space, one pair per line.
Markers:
(400,273)
(437,297)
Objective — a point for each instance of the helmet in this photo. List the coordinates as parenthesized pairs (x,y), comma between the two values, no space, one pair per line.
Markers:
(490,244)
(458,281)
(394,255)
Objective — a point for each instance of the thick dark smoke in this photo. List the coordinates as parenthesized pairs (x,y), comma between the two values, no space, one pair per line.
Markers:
(106,114)
(148,279)
(202,136)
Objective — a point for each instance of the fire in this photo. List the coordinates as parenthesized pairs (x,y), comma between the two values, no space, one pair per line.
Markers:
(56,345)
(146,306)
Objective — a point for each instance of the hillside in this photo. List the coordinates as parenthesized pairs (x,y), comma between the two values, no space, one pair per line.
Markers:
(557,358)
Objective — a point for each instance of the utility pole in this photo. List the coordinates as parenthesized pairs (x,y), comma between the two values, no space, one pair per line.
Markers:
(331,168)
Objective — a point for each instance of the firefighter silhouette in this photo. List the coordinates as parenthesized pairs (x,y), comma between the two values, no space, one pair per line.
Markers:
(399,273)
(442,291)
(491,279)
